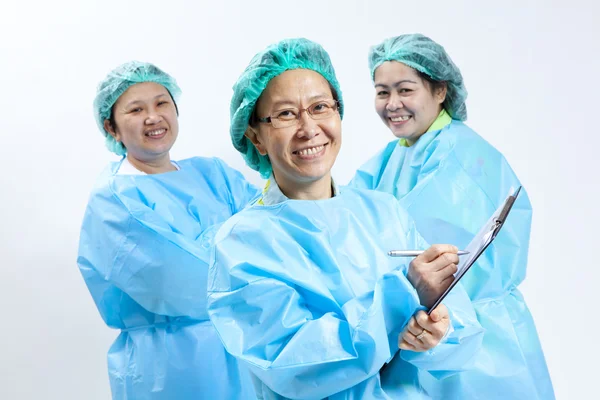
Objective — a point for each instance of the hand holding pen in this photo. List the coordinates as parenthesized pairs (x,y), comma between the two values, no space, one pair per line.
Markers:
(432,272)
(415,253)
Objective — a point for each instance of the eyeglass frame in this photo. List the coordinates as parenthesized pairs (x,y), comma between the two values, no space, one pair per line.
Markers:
(269,119)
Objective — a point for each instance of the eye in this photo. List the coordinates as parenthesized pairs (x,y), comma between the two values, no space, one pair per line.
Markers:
(135,110)
(320,108)
(162,102)
(382,93)
(285,115)
(404,90)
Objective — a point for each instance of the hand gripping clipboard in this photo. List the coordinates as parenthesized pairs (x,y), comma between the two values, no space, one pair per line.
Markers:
(480,242)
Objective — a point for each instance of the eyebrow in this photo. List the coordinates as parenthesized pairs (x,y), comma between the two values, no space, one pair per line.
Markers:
(311,99)
(140,101)
(396,84)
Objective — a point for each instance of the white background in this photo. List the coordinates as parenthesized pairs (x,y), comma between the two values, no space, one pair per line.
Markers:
(531,68)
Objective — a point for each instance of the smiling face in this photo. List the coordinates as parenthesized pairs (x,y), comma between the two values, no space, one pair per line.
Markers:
(145,121)
(405,102)
(301,154)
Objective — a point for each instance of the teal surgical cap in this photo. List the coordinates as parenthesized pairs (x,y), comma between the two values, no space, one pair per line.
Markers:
(426,56)
(266,65)
(116,83)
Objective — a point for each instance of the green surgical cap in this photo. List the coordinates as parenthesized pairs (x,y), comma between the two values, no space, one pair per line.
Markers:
(423,54)
(116,83)
(266,65)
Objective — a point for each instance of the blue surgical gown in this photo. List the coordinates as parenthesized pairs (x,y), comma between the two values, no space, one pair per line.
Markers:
(143,252)
(450,182)
(304,293)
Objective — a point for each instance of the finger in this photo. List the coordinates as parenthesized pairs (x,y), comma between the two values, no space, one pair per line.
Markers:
(435,251)
(429,341)
(449,270)
(404,345)
(412,340)
(413,327)
(436,329)
(422,342)
(444,273)
(439,313)
(443,261)
(422,319)
(447,281)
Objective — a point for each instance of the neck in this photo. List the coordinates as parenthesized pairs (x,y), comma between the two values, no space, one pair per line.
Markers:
(316,190)
(413,140)
(156,166)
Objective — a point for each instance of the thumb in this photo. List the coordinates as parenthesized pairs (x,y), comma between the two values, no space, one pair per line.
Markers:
(435,315)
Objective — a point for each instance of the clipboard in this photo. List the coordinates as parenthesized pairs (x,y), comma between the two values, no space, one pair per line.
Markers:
(481,242)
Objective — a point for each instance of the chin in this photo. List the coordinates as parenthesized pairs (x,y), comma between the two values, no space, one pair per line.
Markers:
(401,135)
(161,149)
(314,175)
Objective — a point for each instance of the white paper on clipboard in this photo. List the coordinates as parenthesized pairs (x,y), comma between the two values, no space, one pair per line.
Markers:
(481,241)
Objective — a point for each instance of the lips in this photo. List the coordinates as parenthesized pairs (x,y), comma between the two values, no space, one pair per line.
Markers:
(310,152)
(156,133)
(400,118)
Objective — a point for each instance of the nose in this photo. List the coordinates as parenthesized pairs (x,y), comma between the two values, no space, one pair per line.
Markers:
(308,128)
(153,117)
(394,103)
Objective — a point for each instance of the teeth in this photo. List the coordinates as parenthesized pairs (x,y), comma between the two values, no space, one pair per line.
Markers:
(156,132)
(398,119)
(310,151)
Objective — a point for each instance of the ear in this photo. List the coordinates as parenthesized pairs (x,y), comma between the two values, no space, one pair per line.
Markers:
(111,130)
(256,140)
(440,94)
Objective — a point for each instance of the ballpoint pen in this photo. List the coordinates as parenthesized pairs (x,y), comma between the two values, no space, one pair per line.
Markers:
(415,253)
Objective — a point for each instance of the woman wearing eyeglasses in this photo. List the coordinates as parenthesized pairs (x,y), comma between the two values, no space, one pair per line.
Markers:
(301,288)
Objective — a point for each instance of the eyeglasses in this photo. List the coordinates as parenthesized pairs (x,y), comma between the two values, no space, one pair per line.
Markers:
(290,116)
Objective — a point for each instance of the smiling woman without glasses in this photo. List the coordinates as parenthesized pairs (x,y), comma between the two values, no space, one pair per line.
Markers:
(450,180)
(145,241)
(301,288)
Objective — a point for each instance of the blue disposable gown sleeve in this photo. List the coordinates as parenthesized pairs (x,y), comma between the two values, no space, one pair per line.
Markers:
(241,191)
(160,263)
(282,321)
(160,269)
(457,351)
